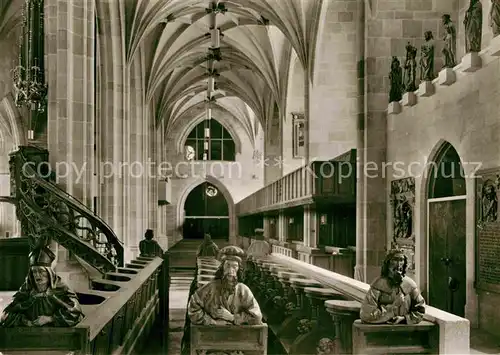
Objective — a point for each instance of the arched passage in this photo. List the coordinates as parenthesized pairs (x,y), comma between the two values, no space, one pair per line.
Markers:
(206,211)
(218,211)
(446,226)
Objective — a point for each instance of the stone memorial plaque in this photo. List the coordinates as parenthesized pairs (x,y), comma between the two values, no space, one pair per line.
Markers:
(488,230)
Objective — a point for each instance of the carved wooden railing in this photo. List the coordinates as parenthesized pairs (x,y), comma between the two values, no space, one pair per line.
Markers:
(116,321)
(46,212)
(318,180)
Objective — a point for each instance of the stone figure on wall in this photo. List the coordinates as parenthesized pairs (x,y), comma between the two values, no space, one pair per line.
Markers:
(489,202)
(494,17)
(427,58)
(450,42)
(473,26)
(43,298)
(393,297)
(410,75)
(396,80)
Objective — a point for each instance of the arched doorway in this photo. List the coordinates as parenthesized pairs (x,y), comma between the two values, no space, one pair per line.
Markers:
(447,232)
(206,211)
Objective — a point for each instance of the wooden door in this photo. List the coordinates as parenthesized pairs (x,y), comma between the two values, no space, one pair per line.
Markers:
(447,267)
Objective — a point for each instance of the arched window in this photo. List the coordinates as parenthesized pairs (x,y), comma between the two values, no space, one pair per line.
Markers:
(209,140)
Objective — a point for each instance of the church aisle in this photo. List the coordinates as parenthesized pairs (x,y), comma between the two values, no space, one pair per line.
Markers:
(179,291)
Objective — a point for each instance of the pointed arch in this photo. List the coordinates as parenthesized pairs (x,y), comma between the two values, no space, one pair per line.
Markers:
(225,192)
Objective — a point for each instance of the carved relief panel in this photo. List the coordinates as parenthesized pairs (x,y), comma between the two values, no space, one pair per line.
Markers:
(403,206)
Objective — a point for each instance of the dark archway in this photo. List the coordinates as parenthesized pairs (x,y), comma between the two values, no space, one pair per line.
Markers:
(206,211)
(447,231)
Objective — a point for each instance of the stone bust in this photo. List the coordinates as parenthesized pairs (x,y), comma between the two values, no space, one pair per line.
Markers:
(393,297)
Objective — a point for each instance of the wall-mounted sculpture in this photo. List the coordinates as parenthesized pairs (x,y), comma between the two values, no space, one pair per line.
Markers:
(403,205)
(427,58)
(489,200)
(494,17)
(450,42)
(473,22)
(396,80)
(410,75)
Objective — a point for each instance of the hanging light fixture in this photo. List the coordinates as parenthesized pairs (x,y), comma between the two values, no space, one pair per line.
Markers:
(213,55)
(29,77)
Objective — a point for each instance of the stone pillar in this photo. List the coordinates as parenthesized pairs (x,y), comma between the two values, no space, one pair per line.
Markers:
(70,57)
(282,227)
(111,119)
(273,150)
(70,39)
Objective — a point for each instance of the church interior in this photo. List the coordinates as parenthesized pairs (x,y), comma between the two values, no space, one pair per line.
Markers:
(249,177)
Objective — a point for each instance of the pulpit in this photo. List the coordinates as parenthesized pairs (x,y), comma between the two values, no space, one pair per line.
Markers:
(249,339)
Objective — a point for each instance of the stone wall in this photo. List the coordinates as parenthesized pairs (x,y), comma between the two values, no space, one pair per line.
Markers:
(466,115)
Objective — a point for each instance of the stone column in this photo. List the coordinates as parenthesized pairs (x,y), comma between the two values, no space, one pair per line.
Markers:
(70,58)
(111,129)
(282,227)
(273,150)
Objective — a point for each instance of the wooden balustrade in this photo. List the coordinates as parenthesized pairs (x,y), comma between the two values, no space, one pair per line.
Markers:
(319,180)
(114,322)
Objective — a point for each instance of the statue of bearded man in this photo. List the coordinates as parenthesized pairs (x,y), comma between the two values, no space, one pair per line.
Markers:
(225,300)
(43,298)
(393,297)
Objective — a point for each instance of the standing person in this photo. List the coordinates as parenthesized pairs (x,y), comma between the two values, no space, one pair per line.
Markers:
(148,246)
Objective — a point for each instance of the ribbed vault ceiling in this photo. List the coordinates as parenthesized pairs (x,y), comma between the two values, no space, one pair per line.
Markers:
(257,39)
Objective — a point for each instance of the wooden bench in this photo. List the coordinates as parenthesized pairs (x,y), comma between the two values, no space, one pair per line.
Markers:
(252,339)
(421,338)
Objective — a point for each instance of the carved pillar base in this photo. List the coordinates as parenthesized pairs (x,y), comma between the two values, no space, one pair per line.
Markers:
(344,313)
(447,77)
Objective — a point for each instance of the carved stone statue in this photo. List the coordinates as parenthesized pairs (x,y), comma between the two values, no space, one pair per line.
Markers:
(326,346)
(494,17)
(43,299)
(396,79)
(410,74)
(427,57)
(450,42)
(224,300)
(473,26)
(393,297)
(489,202)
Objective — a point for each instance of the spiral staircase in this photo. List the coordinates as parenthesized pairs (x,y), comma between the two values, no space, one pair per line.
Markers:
(47,213)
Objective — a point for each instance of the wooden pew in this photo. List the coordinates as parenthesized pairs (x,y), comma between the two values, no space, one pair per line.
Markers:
(421,338)
(252,339)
